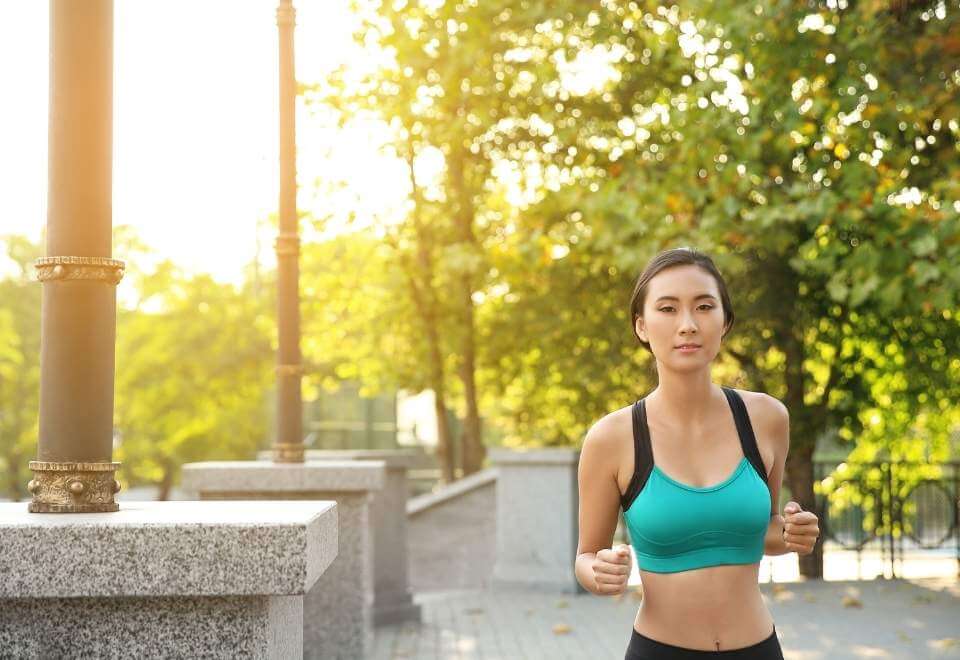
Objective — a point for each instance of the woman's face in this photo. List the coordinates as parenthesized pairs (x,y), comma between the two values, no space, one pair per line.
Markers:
(682,306)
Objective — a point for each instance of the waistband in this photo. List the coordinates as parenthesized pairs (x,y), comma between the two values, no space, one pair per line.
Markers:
(642,646)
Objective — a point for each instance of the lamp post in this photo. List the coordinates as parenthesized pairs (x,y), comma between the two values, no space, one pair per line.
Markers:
(74,470)
(288,445)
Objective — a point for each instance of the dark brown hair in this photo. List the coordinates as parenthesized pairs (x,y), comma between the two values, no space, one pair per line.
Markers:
(685,256)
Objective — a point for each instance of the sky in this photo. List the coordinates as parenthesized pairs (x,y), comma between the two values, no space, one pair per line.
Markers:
(195,126)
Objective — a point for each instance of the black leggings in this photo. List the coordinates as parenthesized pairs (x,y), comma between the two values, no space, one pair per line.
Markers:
(642,647)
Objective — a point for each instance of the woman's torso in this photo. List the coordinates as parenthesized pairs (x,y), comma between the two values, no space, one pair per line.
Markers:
(702,607)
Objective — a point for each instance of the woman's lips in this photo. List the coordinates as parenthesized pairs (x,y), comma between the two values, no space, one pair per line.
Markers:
(688,349)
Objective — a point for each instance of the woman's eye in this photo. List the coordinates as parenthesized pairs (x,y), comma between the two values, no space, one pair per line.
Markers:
(669,308)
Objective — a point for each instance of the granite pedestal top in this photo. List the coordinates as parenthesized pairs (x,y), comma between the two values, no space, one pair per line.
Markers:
(394,458)
(267,476)
(534,455)
(209,548)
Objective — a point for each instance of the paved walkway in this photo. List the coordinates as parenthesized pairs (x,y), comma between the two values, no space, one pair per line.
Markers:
(909,619)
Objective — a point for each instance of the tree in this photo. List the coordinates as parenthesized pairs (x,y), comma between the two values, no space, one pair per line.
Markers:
(810,148)
(194,368)
(813,151)
(452,91)
(19,364)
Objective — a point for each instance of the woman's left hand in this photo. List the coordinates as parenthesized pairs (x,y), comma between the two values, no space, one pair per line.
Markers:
(800,529)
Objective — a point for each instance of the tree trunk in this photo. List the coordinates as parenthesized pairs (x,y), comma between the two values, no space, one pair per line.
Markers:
(472,442)
(420,278)
(13,476)
(166,482)
(473,450)
(444,453)
(804,430)
(799,474)
(426,311)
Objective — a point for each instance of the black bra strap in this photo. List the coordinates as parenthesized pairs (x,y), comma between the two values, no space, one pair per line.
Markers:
(745,430)
(642,455)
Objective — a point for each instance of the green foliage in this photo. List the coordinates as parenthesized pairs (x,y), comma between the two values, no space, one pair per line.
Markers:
(811,149)
(357,320)
(19,364)
(194,368)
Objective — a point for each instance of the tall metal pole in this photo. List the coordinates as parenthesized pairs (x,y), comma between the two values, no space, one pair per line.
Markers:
(74,470)
(288,447)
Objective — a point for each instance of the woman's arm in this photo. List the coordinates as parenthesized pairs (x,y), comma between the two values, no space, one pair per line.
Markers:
(773,543)
(776,427)
(599,499)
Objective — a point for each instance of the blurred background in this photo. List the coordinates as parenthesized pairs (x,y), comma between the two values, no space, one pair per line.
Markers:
(480,184)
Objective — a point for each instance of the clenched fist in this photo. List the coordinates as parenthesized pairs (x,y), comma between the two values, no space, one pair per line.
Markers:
(611,570)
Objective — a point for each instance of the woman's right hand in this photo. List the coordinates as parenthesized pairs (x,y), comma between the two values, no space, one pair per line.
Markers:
(611,570)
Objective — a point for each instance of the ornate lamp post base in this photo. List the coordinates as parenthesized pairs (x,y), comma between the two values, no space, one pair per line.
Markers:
(73,487)
(288,453)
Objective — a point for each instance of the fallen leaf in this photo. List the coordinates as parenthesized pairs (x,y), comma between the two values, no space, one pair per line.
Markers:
(810,598)
(946,642)
(904,637)
(851,601)
(923,598)
(561,629)
(562,603)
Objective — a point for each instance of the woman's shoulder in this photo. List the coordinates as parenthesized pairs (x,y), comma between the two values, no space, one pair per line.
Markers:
(608,442)
(763,408)
(609,428)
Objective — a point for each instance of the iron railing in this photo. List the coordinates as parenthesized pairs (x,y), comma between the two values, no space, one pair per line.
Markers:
(891,503)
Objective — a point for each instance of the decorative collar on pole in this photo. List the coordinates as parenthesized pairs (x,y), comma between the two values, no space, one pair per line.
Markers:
(97,269)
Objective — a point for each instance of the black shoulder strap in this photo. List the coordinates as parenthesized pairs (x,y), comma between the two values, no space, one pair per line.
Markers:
(745,430)
(642,455)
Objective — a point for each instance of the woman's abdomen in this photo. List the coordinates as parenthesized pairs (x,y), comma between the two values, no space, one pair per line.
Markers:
(698,608)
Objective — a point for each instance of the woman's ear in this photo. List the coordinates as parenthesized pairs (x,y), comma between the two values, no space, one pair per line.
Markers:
(641,331)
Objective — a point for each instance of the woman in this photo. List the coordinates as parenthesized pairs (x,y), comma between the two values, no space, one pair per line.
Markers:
(697,469)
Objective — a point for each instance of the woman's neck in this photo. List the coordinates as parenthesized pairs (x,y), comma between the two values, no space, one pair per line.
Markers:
(686,397)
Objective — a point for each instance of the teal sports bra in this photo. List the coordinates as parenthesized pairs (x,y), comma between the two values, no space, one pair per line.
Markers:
(675,527)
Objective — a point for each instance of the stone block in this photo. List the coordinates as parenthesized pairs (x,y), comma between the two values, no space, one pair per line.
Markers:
(171,579)
(537,509)
(338,611)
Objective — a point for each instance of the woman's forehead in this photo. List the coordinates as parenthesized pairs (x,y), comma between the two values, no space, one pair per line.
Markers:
(682,282)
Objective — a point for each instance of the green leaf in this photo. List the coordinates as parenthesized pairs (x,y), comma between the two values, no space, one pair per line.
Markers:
(925,272)
(862,289)
(924,245)
(892,293)
(837,288)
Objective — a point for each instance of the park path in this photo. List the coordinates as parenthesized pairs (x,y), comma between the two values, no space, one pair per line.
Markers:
(909,619)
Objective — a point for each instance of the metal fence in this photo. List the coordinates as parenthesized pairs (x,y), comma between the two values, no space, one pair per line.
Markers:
(898,505)
(346,420)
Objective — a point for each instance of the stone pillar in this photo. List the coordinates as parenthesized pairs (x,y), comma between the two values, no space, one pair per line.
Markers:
(170,579)
(338,611)
(537,508)
(392,597)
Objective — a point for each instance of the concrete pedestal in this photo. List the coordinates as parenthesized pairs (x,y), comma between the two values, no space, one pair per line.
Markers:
(392,596)
(338,611)
(162,579)
(537,509)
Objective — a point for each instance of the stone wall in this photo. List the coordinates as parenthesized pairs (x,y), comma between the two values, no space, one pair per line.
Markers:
(451,534)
